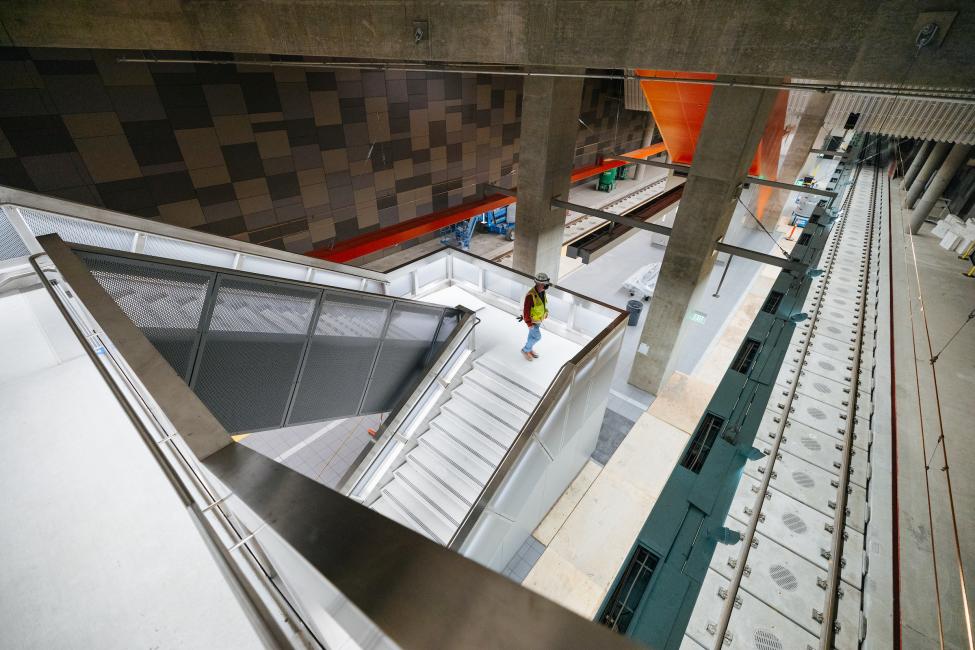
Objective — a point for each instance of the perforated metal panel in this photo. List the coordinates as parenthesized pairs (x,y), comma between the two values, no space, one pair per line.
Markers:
(402,355)
(165,303)
(77,231)
(11,245)
(343,348)
(250,355)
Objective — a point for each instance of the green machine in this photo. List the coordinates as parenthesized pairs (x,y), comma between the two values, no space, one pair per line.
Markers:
(607,181)
(623,173)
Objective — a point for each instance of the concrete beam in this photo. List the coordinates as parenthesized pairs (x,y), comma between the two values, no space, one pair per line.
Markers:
(931,165)
(798,152)
(919,158)
(733,126)
(957,157)
(549,125)
(874,41)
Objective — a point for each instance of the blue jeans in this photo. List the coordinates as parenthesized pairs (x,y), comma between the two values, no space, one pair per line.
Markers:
(534,335)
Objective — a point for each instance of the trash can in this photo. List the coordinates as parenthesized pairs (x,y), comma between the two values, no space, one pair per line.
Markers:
(634,307)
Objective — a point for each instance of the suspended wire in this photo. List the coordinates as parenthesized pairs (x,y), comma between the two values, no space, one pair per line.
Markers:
(971,316)
(762,226)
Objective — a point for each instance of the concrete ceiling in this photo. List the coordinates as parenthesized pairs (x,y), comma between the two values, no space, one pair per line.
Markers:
(854,40)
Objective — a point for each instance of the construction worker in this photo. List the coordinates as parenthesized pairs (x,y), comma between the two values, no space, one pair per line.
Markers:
(534,312)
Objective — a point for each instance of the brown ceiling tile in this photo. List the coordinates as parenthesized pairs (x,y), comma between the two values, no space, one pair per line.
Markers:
(252,187)
(200,147)
(182,213)
(254,204)
(108,158)
(311,176)
(325,105)
(273,144)
(208,176)
(92,125)
(233,129)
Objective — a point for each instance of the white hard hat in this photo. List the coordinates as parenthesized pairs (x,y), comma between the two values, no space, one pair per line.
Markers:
(542,278)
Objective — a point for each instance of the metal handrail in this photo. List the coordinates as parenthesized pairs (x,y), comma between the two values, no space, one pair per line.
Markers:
(186,480)
(555,390)
(414,590)
(409,402)
(22,199)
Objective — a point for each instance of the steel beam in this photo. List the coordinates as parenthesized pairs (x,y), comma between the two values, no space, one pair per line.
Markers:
(653,163)
(721,247)
(827,152)
(792,187)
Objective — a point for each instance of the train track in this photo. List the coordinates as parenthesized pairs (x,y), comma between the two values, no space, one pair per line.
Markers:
(583,224)
(816,438)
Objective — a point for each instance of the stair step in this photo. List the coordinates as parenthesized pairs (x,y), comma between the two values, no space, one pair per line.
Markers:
(392,510)
(500,437)
(491,405)
(485,448)
(506,390)
(434,491)
(457,454)
(478,419)
(437,467)
(433,522)
(505,372)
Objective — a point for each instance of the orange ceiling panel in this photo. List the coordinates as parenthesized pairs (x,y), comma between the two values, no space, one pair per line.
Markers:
(679,110)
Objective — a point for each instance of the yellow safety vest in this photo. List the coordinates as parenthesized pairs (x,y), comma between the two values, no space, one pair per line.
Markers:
(539,310)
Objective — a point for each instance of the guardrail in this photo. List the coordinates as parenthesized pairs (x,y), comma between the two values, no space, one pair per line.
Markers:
(32,215)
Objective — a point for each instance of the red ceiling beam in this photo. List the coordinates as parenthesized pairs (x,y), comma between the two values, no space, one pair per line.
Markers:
(377,240)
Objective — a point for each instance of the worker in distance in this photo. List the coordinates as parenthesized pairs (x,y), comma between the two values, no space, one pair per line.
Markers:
(534,312)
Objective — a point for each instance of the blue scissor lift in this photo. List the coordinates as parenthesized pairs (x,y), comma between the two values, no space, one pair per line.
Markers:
(460,233)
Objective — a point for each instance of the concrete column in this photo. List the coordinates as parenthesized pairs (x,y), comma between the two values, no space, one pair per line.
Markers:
(549,124)
(648,133)
(733,126)
(957,157)
(807,132)
(919,158)
(934,160)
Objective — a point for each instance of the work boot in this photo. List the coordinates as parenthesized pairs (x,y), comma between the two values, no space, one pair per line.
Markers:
(528,355)
(534,354)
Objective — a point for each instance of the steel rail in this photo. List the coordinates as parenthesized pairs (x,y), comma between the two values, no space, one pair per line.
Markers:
(827,634)
(755,517)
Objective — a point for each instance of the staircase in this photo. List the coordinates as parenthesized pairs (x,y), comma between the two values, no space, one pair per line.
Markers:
(440,479)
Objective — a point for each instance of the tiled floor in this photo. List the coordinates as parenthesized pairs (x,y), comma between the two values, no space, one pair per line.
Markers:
(614,429)
(322,451)
(523,561)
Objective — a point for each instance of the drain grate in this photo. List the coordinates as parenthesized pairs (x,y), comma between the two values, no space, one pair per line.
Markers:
(826,365)
(783,577)
(811,443)
(766,640)
(794,523)
(816,412)
(803,479)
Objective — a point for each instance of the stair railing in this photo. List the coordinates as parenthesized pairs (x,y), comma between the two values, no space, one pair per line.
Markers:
(596,361)
(398,433)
